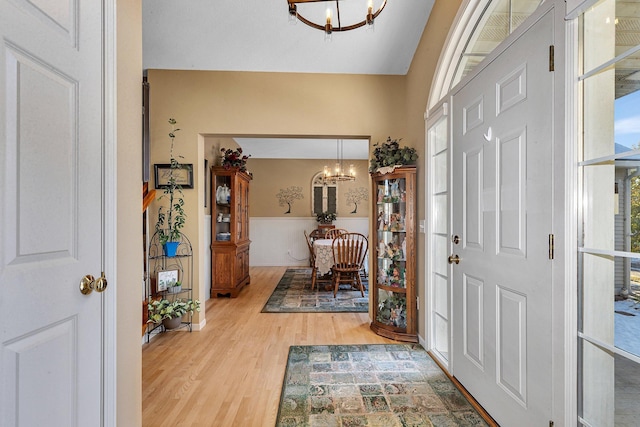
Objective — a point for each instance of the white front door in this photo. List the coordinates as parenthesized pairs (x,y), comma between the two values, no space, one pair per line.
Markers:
(502,211)
(50,212)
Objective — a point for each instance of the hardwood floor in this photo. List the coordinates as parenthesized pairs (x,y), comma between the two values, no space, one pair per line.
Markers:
(231,372)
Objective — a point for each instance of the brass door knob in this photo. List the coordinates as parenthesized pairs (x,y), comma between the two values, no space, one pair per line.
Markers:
(87,284)
(101,283)
(454,258)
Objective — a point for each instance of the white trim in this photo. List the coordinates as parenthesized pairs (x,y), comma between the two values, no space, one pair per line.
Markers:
(110,209)
(463,25)
(199,326)
(572,114)
(575,8)
(607,252)
(434,117)
(609,348)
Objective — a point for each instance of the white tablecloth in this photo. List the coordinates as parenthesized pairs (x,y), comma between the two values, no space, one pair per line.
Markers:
(324,255)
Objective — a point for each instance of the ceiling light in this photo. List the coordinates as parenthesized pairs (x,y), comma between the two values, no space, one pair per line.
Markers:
(302,10)
(338,173)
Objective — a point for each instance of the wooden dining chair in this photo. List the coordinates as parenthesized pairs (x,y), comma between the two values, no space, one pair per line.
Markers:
(349,253)
(334,232)
(312,260)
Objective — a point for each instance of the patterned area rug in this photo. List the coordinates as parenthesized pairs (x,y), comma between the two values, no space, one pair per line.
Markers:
(293,294)
(370,385)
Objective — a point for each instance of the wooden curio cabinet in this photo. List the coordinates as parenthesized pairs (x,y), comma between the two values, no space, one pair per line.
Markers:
(229,231)
(393,250)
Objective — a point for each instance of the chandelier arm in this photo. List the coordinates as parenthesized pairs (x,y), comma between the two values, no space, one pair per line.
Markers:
(339,28)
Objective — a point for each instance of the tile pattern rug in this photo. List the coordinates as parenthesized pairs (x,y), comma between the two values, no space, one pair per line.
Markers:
(293,294)
(384,385)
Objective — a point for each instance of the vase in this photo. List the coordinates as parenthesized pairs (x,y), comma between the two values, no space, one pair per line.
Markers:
(170,248)
(174,289)
(172,323)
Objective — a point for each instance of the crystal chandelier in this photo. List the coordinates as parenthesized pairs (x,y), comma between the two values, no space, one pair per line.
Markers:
(338,173)
(298,9)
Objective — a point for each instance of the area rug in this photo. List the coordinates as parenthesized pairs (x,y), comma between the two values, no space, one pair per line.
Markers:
(370,385)
(293,294)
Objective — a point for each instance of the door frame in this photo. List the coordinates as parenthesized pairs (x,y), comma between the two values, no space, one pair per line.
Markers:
(109,209)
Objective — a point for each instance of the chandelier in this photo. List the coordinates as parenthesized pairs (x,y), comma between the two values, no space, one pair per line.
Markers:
(338,173)
(332,22)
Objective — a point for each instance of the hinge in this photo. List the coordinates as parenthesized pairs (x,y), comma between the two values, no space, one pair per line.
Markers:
(418,303)
(552,64)
(551,246)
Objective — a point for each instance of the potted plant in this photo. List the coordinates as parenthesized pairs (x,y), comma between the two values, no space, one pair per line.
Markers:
(389,155)
(326,217)
(171,220)
(234,159)
(170,312)
(325,221)
(176,288)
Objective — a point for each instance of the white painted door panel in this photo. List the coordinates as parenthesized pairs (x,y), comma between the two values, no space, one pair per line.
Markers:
(502,205)
(50,215)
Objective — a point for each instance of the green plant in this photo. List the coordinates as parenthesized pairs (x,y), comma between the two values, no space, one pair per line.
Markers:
(234,159)
(326,217)
(173,219)
(164,309)
(389,153)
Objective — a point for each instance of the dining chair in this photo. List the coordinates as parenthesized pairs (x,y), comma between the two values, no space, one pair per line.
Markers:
(312,260)
(349,253)
(334,232)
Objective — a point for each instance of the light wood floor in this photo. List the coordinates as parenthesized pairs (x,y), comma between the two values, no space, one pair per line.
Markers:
(231,372)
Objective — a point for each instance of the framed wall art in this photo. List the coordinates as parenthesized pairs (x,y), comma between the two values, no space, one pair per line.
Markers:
(166,279)
(183,175)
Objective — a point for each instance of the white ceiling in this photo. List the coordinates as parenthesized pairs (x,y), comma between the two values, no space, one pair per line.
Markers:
(256,35)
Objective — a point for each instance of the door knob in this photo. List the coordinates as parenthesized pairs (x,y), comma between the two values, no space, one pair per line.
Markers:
(101,283)
(87,284)
(454,258)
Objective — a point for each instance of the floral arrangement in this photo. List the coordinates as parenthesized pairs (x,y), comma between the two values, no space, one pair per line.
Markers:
(389,154)
(326,217)
(234,159)
(164,309)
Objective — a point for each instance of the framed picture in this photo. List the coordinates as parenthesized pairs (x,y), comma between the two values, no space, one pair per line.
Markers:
(183,175)
(166,279)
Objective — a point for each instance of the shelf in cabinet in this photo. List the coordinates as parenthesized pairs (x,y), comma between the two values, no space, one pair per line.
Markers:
(169,257)
(392,289)
(392,259)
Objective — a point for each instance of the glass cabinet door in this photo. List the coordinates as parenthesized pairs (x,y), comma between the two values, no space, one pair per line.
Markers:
(394,276)
(221,213)
(391,250)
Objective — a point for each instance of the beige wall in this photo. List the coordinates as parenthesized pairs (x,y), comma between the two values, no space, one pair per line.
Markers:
(263,104)
(128,283)
(290,104)
(270,176)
